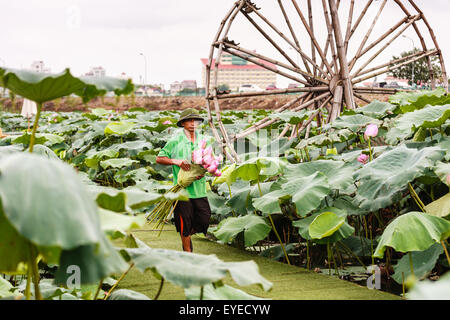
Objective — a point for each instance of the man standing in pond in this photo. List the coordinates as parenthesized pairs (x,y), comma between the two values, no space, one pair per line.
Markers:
(191,216)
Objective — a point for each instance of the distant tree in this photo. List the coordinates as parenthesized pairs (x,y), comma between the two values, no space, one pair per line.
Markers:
(421,71)
(224,87)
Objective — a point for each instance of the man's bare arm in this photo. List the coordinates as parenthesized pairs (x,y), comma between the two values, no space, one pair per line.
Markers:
(183,164)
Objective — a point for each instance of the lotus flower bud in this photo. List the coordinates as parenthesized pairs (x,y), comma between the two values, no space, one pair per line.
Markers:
(167,122)
(207,151)
(207,160)
(212,168)
(203,144)
(197,156)
(363,158)
(448,179)
(371,131)
(217,173)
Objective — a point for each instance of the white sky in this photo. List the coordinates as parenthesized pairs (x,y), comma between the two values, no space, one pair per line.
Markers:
(172,34)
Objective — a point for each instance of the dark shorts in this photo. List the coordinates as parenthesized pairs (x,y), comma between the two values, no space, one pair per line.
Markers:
(192,216)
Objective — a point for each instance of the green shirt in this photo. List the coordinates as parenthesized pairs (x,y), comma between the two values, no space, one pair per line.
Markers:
(180,147)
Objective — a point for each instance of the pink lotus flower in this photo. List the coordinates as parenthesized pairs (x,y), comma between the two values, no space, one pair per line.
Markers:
(371,131)
(363,158)
(203,144)
(197,156)
(448,179)
(207,151)
(167,122)
(213,167)
(207,160)
(217,173)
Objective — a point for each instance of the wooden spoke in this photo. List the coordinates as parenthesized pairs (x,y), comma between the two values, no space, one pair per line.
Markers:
(349,24)
(358,21)
(278,63)
(329,42)
(392,62)
(366,37)
(288,22)
(272,92)
(427,54)
(293,45)
(398,34)
(311,34)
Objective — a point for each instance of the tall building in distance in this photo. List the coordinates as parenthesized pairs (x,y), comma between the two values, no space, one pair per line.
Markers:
(235,71)
(96,72)
(39,66)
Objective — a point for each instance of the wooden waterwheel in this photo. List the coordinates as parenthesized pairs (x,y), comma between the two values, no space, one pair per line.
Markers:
(327,47)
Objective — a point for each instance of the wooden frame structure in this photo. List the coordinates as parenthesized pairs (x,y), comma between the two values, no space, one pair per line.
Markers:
(329,75)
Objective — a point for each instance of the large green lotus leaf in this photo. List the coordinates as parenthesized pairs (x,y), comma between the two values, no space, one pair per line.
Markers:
(224,292)
(95,262)
(431,290)
(410,101)
(342,233)
(120,128)
(376,109)
(42,87)
(243,194)
(292,117)
(423,263)
(444,144)
(324,225)
(101,85)
(225,176)
(253,169)
(117,163)
(406,125)
(338,173)
(308,192)
(439,207)
(94,157)
(132,148)
(48,204)
(198,270)
(269,203)
(218,204)
(111,221)
(383,179)
(255,228)
(354,122)
(125,294)
(413,231)
(13,247)
(442,170)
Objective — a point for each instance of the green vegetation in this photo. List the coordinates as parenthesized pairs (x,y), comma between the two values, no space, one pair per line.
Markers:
(371,188)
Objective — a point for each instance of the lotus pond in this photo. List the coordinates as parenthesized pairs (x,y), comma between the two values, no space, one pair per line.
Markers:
(369,189)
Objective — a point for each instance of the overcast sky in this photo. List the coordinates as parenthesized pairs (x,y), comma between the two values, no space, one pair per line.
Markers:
(172,34)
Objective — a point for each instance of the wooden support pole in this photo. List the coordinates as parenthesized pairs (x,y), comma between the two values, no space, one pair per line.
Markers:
(337,104)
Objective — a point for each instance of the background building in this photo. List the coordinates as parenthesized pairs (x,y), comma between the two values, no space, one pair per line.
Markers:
(189,84)
(96,72)
(39,66)
(235,71)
